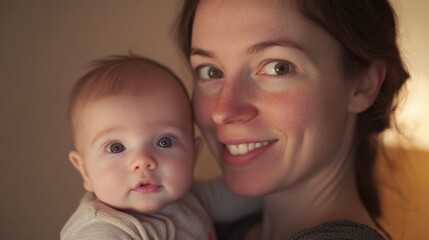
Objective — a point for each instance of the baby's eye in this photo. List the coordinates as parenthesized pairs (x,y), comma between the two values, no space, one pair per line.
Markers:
(115,148)
(208,72)
(165,142)
(278,67)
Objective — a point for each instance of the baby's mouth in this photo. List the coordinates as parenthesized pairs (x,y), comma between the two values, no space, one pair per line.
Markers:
(147,187)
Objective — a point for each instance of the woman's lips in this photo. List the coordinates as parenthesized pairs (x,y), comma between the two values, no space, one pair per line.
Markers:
(243,154)
(244,148)
(147,187)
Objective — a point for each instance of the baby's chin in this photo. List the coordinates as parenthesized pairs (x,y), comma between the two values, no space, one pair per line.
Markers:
(148,204)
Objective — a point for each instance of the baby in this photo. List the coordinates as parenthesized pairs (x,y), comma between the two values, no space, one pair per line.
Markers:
(132,127)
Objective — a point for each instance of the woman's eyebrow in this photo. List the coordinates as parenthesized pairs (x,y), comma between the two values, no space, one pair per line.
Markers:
(255,48)
(202,52)
(261,46)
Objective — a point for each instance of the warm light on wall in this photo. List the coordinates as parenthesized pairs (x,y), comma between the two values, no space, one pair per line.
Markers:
(413,115)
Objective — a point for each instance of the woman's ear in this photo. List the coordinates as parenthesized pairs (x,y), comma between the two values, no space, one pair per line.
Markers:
(198,146)
(367,87)
(77,161)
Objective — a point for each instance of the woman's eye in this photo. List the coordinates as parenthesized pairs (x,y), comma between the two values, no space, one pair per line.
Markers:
(165,142)
(115,148)
(208,72)
(277,68)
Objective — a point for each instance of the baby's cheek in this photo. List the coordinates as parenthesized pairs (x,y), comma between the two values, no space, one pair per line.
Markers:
(181,173)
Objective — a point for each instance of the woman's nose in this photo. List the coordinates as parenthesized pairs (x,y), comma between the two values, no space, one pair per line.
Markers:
(234,104)
(143,161)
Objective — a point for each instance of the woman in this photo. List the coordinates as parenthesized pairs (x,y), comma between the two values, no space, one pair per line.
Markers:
(291,97)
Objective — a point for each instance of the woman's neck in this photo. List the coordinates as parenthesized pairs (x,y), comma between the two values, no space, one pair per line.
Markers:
(328,196)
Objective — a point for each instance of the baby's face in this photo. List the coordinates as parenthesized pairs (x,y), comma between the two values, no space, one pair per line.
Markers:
(137,150)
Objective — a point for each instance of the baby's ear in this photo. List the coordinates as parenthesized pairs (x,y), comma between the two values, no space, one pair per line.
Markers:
(367,87)
(198,146)
(77,161)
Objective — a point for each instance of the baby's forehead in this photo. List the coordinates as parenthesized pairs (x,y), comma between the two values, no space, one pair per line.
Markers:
(128,78)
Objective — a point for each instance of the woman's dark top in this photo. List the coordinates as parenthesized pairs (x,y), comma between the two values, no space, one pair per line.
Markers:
(335,230)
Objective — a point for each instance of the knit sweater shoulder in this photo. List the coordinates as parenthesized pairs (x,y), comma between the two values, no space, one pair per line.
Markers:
(184,219)
(338,230)
(334,230)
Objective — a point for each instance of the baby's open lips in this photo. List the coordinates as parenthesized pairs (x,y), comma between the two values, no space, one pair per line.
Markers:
(147,187)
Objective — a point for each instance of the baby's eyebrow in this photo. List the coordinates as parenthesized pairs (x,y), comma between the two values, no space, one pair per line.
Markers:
(261,46)
(104,132)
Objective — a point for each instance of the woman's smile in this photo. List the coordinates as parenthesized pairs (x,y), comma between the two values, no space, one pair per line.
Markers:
(244,154)
(244,148)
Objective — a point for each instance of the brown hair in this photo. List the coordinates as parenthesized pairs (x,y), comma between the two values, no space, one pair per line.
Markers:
(113,75)
(367,31)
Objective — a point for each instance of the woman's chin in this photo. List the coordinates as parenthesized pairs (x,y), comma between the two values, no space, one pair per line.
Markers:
(244,184)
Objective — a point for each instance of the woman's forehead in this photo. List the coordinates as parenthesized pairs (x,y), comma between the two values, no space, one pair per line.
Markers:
(223,26)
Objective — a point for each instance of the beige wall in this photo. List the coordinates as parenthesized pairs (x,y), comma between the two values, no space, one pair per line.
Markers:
(44,48)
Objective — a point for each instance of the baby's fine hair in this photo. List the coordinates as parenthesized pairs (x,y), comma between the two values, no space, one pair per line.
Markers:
(114,75)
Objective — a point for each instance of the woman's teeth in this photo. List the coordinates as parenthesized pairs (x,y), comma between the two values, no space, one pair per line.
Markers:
(244,148)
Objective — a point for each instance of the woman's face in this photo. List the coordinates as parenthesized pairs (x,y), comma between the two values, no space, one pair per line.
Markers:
(270,95)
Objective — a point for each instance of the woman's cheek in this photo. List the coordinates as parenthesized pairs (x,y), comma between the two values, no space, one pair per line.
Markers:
(203,108)
(291,111)
(202,111)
